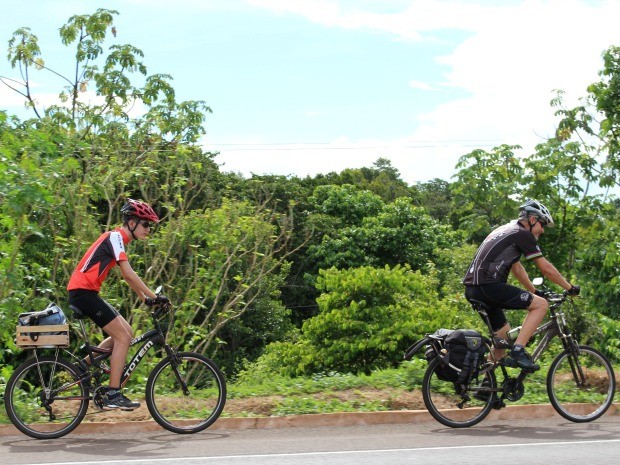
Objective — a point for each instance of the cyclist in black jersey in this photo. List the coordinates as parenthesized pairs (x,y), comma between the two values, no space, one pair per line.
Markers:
(497,257)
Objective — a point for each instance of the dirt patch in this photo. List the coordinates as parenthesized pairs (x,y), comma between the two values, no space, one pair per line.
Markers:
(388,399)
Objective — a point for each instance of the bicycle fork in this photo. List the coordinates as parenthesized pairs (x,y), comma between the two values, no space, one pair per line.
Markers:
(572,349)
(175,363)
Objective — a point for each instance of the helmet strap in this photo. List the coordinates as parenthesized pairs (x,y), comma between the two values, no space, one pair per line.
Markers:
(134,228)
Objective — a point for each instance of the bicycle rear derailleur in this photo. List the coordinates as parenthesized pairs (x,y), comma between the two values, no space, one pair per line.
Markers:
(513,389)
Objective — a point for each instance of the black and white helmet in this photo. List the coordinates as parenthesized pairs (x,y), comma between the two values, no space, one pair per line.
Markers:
(535,208)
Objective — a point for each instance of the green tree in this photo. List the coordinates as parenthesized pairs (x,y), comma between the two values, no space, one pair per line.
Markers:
(400,234)
(107,75)
(346,204)
(67,172)
(368,317)
(219,264)
(487,188)
(436,198)
(381,179)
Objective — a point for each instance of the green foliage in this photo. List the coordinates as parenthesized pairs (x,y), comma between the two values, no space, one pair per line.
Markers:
(436,198)
(598,262)
(485,188)
(609,343)
(347,203)
(605,93)
(221,263)
(399,234)
(368,316)
(336,273)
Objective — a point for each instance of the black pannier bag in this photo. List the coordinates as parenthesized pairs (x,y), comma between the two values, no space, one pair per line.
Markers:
(443,370)
(467,351)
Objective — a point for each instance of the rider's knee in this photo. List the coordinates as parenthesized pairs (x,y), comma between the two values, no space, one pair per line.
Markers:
(538,303)
(123,337)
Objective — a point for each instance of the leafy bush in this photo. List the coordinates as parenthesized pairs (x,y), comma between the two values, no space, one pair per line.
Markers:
(609,343)
(368,317)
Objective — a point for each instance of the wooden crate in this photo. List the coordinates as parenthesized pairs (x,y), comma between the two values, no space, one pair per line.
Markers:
(24,336)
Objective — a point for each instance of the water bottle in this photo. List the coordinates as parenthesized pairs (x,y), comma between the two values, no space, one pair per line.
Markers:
(513,334)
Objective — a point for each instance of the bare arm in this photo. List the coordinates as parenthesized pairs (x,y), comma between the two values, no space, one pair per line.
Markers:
(134,281)
(519,272)
(550,272)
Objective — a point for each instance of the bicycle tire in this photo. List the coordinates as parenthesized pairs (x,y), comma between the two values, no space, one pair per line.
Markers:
(195,409)
(441,399)
(581,402)
(24,398)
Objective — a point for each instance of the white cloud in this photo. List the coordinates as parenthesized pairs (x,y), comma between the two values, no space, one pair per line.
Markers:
(420,85)
(330,13)
(513,58)
(510,68)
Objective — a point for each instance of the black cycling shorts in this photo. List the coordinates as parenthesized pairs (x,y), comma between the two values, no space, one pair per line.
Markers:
(93,306)
(499,296)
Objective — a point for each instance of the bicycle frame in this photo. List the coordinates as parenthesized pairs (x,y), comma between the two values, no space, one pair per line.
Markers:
(150,339)
(552,328)
(549,330)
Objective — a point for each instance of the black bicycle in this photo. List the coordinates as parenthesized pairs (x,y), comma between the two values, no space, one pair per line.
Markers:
(48,395)
(580,383)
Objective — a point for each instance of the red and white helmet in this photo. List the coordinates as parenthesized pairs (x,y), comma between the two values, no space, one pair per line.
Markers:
(137,209)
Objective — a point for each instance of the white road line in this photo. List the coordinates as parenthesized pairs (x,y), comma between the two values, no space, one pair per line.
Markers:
(311,454)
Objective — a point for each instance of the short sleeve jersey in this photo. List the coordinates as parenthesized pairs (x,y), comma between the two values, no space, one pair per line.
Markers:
(101,257)
(499,251)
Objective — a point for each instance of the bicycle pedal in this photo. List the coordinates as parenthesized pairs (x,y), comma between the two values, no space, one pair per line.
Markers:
(511,363)
(499,404)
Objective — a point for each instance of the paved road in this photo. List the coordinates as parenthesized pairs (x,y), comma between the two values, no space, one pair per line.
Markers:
(538,441)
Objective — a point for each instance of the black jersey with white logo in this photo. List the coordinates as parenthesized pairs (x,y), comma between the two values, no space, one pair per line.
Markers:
(499,251)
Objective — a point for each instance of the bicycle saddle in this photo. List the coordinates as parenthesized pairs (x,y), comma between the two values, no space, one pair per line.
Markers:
(77,313)
(478,305)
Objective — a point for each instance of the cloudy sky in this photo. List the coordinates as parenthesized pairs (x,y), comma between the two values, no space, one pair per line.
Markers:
(300,87)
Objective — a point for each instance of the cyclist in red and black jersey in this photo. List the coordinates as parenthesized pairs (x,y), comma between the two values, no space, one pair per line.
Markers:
(85,283)
(497,257)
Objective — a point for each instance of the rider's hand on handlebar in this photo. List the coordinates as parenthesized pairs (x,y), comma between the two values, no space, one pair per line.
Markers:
(574,290)
(160,299)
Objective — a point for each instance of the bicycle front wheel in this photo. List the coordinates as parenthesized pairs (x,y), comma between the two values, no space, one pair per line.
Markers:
(186,393)
(457,406)
(44,398)
(581,388)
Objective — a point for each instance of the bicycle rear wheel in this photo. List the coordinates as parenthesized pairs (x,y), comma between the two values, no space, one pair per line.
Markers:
(581,388)
(44,398)
(186,393)
(457,406)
